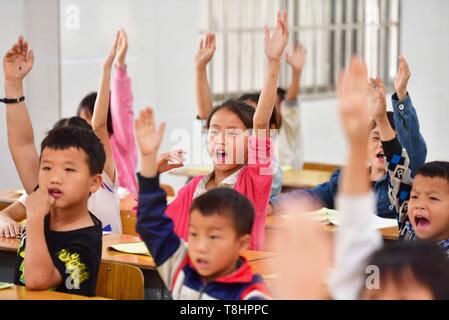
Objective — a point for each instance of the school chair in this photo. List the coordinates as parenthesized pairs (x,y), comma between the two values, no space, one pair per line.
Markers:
(120,281)
(320,166)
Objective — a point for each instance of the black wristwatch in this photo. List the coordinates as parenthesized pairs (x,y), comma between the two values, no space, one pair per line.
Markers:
(13,101)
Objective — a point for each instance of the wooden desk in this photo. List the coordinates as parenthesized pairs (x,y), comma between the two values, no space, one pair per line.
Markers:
(7,197)
(307,178)
(146,262)
(20,293)
(276,223)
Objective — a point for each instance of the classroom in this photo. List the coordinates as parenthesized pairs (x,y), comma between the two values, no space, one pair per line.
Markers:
(224,150)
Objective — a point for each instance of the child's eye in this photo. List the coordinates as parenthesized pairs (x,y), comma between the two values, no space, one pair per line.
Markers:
(46,168)
(214,237)
(413,197)
(192,234)
(214,132)
(70,170)
(434,199)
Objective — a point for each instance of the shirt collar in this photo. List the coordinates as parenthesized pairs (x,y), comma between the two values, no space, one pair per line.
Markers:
(228,182)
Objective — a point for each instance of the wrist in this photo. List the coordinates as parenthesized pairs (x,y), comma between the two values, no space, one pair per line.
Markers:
(381,120)
(150,165)
(401,94)
(274,62)
(200,66)
(13,88)
(120,64)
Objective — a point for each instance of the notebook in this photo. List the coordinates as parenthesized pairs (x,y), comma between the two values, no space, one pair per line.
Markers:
(331,216)
(133,248)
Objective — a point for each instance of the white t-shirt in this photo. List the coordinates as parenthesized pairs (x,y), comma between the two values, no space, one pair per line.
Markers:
(104,204)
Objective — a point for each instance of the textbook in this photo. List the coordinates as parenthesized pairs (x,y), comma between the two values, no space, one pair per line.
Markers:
(331,216)
(133,248)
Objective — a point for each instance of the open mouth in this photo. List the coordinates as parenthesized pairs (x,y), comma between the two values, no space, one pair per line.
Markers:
(421,222)
(55,193)
(201,263)
(220,156)
(380,156)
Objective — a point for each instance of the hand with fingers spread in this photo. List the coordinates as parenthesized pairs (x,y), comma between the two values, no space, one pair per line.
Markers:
(277,39)
(122,49)
(378,103)
(107,64)
(171,160)
(206,50)
(18,61)
(297,58)
(353,100)
(401,80)
(149,139)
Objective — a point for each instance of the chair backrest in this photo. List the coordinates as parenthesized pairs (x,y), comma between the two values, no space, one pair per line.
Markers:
(168,190)
(320,166)
(120,281)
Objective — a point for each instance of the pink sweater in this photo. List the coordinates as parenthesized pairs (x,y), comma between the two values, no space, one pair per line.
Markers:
(123,143)
(254,182)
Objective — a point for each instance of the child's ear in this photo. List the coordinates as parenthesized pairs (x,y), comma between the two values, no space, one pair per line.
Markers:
(244,241)
(96,183)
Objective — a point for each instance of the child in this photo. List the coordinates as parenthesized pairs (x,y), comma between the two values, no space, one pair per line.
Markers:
(105,204)
(286,112)
(401,273)
(61,246)
(220,223)
(248,172)
(119,119)
(407,126)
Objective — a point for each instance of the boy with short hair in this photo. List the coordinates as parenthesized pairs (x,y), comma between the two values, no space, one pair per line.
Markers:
(210,266)
(61,246)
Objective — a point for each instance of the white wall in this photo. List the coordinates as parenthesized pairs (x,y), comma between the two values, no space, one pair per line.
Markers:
(38,22)
(163,39)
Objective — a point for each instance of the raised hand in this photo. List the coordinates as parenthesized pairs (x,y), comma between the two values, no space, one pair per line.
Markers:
(107,64)
(276,41)
(171,160)
(353,93)
(206,50)
(148,138)
(401,80)
(378,103)
(18,61)
(122,49)
(297,57)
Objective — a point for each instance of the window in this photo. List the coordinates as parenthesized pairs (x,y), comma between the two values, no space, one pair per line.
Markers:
(331,30)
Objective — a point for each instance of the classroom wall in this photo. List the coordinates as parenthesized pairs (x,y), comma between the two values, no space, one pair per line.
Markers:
(38,22)
(163,41)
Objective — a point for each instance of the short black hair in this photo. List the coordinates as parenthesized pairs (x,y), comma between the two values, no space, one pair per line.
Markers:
(240,109)
(281,93)
(435,169)
(230,203)
(74,122)
(427,262)
(253,97)
(390,116)
(72,137)
(88,104)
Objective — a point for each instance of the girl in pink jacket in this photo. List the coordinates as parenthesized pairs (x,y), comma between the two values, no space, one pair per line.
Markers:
(242,159)
(120,120)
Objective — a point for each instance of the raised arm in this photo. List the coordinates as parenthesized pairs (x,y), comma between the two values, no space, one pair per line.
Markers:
(355,239)
(100,116)
(296,59)
(202,91)
(406,118)
(275,43)
(17,63)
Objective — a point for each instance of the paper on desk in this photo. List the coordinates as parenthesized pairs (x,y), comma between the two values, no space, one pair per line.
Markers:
(134,248)
(332,217)
(4,285)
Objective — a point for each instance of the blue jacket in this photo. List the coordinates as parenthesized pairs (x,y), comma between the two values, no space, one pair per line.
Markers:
(172,260)
(409,135)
